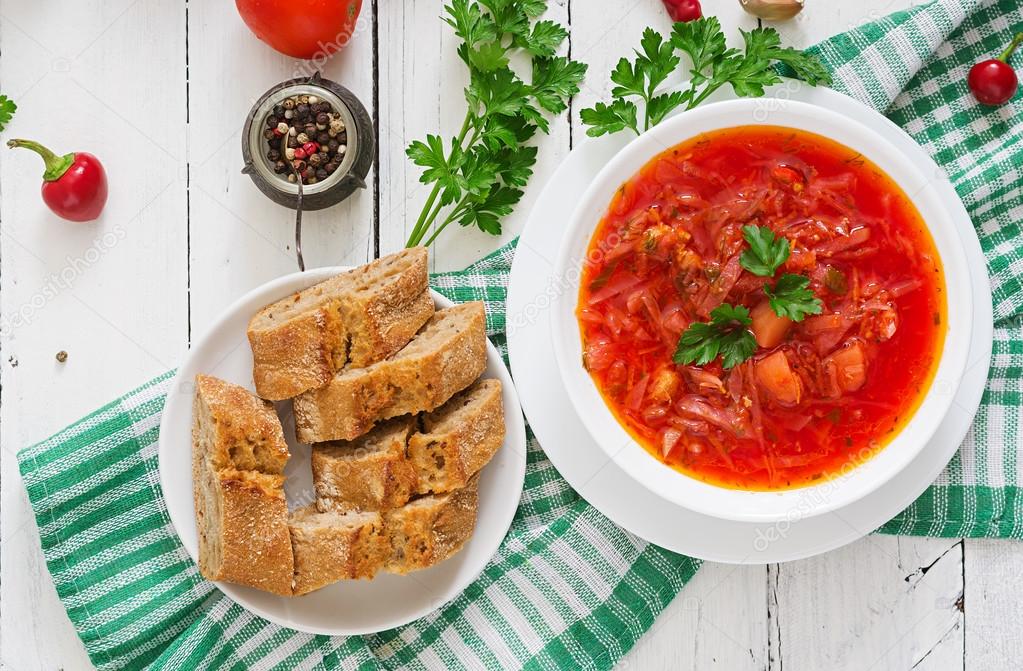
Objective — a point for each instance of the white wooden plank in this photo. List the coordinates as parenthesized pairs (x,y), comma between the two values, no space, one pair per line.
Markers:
(113,293)
(421,84)
(719,620)
(993,604)
(240,239)
(883,602)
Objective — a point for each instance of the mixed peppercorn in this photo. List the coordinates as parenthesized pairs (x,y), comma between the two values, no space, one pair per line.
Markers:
(306,139)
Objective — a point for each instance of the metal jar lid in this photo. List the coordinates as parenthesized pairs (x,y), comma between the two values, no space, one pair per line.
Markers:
(351,173)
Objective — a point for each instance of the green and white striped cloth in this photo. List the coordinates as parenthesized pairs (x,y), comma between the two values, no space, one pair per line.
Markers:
(568,589)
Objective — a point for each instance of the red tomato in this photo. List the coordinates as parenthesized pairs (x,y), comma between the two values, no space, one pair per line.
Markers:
(302,28)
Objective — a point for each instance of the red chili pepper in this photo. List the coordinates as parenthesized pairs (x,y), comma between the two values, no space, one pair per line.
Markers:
(993,81)
(683,10)
(310,148)
(74,185)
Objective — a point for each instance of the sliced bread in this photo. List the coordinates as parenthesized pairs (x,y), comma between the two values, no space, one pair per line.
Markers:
(458,439)
(444,358)
(430,529)
(334,546)
(238,458)
(358,317)
(368,473)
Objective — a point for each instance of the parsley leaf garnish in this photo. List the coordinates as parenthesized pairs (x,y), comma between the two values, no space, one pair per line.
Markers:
(7,110)
(791,297)
(603,118)
(726,335)
(766,251)
(478,175)
(713,65)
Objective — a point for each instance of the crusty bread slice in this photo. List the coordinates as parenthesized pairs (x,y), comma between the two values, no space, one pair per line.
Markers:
(243,530)
(334,546)
(239,430)
(459,438)
(430,529)
(238,458)
(298,342)
(386,302)
(368,473)
(358,317)
(444,358)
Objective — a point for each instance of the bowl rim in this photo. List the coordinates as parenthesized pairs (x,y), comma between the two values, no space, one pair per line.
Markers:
(743,505)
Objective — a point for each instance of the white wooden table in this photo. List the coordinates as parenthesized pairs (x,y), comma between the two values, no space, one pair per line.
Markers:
(159,90)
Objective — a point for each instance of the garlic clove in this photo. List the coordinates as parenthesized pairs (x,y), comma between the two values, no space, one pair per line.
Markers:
(772,10)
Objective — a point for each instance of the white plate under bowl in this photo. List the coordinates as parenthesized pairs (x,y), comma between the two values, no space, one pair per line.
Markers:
(565,438)
(760,506)
(347,607)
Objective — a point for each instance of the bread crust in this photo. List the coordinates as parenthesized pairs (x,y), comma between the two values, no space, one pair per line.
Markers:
(370,473)
(431,529)
(254,543)
(382,316)
(295,352)
(238,459)
(444,358)
(459,438)
(331,547)
(358,317)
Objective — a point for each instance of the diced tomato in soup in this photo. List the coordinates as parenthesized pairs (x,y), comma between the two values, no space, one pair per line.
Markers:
(819,396)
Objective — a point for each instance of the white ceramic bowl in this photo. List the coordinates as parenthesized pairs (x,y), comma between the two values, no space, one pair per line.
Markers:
(689,492)
(350,606)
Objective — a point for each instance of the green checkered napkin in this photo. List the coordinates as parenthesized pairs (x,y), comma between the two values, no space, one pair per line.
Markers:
(568,589)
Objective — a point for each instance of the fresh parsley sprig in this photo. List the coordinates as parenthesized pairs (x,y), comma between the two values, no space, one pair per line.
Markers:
(7,110)
(791,297)
(478,175)
(714,64)
(726,335)
(766,251)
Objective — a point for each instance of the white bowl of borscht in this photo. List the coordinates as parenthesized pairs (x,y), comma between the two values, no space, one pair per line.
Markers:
(766,312)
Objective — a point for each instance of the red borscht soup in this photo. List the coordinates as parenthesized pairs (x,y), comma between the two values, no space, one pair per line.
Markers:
(762,308)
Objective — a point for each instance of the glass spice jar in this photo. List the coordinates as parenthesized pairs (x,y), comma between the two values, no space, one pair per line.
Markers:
(351,170)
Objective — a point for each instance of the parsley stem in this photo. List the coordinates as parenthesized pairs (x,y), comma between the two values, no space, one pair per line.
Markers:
(425,217)
(416,234)
(703,95)
(451,217)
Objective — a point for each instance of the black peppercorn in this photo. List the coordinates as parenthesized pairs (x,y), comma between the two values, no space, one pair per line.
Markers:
(280,167)
(321,174)
(274,154)
(293,142)
(332,146)
(331,168)
(272,121)
(322,118)
(323,139)
(269,134)
(278,110)
(302,109)
(308,173)
(310,130)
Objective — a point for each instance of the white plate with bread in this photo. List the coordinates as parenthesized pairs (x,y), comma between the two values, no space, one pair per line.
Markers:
(343,452)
